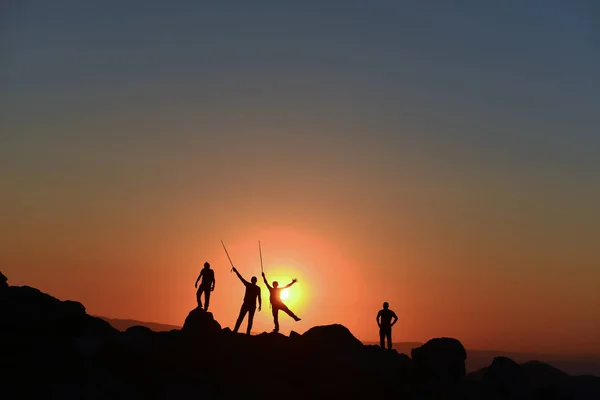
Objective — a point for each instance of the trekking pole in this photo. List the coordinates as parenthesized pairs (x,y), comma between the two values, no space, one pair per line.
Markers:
(261,265)
(231,262)
(260,252)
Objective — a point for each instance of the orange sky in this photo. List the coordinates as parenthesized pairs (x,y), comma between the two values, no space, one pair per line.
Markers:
(440,283)
(416,154)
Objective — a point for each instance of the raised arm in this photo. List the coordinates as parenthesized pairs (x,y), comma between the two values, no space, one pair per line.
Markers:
(245,282)
(290,284)
(265,279)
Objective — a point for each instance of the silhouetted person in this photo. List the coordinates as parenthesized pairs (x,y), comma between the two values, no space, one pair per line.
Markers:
(249,304)
(385,323)
(206,286)
(276,303)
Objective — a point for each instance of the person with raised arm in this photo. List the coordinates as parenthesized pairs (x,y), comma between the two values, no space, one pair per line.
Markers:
(249,304)
(276,302)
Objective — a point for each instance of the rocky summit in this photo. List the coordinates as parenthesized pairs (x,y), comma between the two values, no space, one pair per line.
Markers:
(54,349)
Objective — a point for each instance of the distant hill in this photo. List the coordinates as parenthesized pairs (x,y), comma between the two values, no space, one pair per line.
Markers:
(477,359)
(123,324)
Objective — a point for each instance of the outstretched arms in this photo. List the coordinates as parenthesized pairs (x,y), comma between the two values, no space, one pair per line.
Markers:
(290,284)
(245,282)
(265,279)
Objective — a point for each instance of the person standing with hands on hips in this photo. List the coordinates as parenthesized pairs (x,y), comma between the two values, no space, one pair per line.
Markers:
(386,318)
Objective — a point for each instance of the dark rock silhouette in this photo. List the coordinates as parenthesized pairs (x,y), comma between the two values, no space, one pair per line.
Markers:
(440,359)
(3,281)
(329,339)
(506,378)
(201,322)
(53,349)
(27,310)
(545,381)
(439,365)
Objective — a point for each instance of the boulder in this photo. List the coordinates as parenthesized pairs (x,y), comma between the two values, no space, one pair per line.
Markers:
(139,338)
(440,362)
(28,311)
(505,378)
(139,330)
(334,338)
(200,322)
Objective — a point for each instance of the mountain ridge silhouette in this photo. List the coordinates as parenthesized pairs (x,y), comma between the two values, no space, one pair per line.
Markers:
(122,324)
(478,358)
(53,348)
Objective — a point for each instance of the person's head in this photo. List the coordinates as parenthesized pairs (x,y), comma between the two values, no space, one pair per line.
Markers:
(386,305)
(253,280)
(206,265)
(275,284)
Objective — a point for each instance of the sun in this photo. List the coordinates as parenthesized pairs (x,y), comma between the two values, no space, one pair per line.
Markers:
(284,294)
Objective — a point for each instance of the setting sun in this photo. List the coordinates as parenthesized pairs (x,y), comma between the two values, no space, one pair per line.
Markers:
(284,294)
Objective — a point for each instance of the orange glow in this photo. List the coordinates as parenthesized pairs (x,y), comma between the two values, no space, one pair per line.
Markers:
(146,269)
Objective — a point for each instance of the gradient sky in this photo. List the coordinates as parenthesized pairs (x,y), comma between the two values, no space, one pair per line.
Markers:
(442,158)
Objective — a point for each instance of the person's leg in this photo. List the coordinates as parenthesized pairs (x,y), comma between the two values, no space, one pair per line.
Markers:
(389,338)
(382,338)
(276,319)
(198,294)
(206,299)
(243,311)
(251,311)
(289,312)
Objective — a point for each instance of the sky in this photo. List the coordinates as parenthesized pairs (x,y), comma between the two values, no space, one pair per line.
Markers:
(442,157)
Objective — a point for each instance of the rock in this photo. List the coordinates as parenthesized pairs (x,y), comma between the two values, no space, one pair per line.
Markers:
(294,335)
(138,330)
(273,340)
(330,339)
(332,353)
(139,338)
(506,378)
(545,381)
(67,310)
(439,363)
(28,311)
(200,322)
(3,281)
(96,333)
